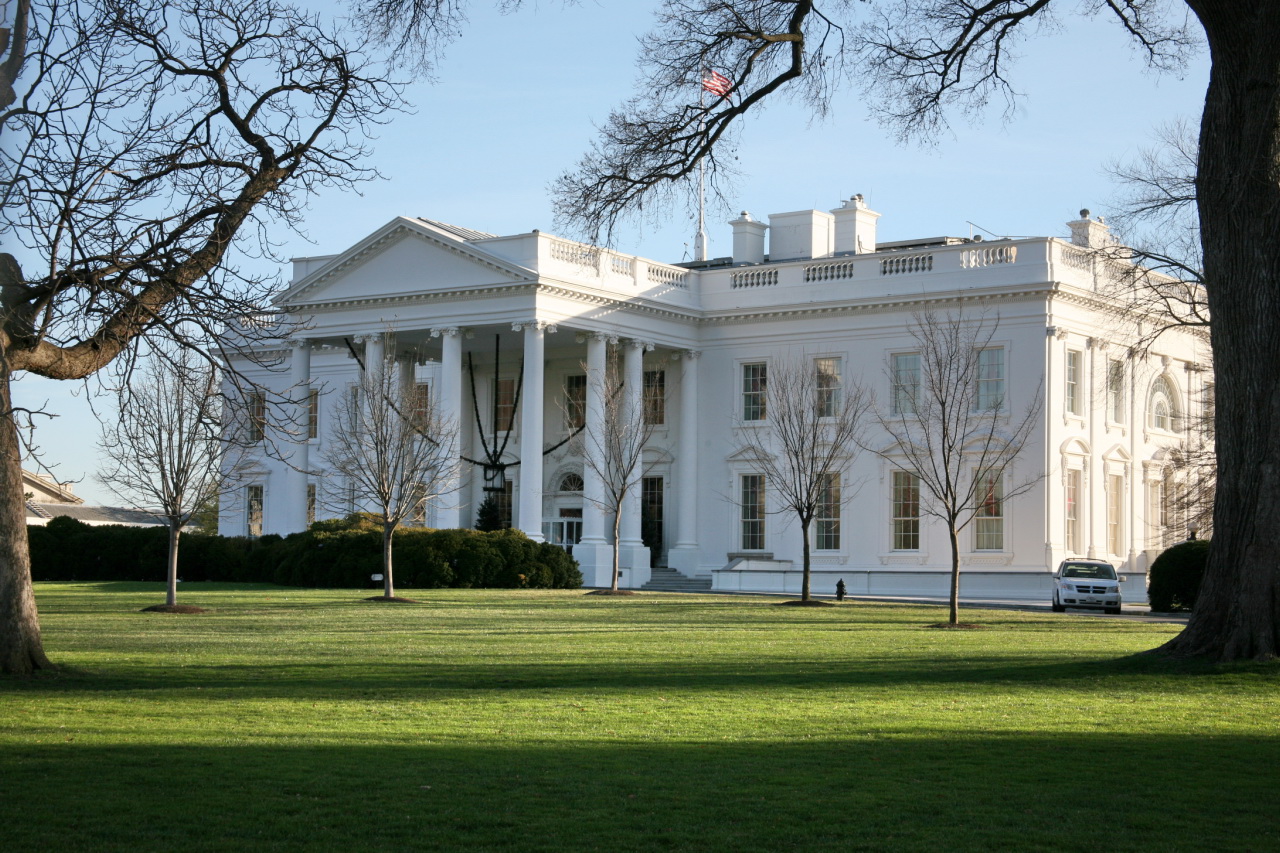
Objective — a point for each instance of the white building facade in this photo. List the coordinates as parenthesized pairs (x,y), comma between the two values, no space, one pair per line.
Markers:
(503,331)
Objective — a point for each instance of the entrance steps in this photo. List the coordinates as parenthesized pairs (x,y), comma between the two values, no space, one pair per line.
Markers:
(669,580)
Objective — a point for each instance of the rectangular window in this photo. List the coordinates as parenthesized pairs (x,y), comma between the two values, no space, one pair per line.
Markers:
(1115,510)
(418,501)
(1157,514)
(1074,362)
(905,370)
(990,379)
(827,384)
(1115,391)
(754,379)
(655,397)
(253,500)
(1073,511)
(311,503)
(504,405)
(989,520)
(827,518)
(1208,410)
(313,413)
(350,497)
(421,404)
(575,401)
(752,509)
(504,501)
(906,511)
(257,415)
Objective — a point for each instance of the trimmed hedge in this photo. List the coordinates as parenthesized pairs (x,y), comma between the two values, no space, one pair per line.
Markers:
(330,554)
(1176,575)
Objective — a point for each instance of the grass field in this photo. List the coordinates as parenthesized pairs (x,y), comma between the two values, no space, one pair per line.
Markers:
(289,719)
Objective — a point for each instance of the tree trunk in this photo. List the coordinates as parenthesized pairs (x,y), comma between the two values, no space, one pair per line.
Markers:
(1237,614)
(617,527)
(171,593)
(804,580)
(21,651)
(954,597)
(388,588)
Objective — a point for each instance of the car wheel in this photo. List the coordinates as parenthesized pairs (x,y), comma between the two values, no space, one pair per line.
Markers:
(1112,611)
(1057,608)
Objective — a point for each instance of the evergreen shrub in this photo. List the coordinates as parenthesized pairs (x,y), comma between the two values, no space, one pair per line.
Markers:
(338,553)
(1175,576)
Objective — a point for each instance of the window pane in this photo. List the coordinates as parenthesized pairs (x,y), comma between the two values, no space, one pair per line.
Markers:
(827,518)
(1115,500)
(253,497)
(906,382)
(1073,382)
(1073,511)
(257,415)
(504,405)
(752,508)
(991,379)
(827,382)
(906,511)
(575,401)
(655,397)
(313,413)
(989,520)
(754,377)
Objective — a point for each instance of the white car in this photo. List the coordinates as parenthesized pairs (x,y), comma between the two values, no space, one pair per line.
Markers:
(1086,583)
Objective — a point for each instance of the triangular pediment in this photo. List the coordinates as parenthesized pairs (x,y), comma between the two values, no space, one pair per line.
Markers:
(406,257)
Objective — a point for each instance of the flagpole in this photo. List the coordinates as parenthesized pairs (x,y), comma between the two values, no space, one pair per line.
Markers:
(700,242)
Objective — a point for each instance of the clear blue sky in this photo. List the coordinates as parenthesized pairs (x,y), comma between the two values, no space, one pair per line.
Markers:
(518,96)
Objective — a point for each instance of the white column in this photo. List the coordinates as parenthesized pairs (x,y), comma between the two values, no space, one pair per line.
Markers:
(294,517)
(594,552)
(375,353)
(684,556)
(449,401)
(634,555)
(532,403)
(408,373)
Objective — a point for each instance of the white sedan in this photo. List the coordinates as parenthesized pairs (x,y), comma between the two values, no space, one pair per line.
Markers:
(1086,583)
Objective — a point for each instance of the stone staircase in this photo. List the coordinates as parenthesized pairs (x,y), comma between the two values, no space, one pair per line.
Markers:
(669,580)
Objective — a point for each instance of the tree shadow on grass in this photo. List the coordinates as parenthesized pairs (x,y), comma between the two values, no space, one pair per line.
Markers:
(860,791)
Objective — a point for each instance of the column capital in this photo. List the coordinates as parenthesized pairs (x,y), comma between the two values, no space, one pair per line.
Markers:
(540,325)
(607,337)
(1098,344)
(449,331)
(643,345)
(686,354)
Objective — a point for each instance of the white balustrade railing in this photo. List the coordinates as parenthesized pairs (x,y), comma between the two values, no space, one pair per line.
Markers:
(622,265)
(574,253)
(754,278)
(1078,259)
(669,276)
(829,271)
(906,264)
(988,256)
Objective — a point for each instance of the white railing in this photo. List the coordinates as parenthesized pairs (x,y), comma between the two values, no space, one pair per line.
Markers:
(622,265)
(574,253)
(988,256)
(906,264)
(1077,259)
(829,271)
(669,276)
(754,278)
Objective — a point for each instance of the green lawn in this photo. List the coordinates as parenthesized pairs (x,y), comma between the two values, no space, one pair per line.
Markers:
(290,719)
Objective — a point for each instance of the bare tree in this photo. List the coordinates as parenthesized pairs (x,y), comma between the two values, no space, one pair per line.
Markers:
(615,451)
(167,445)
(952,432)
(807,441)
(146,145)
(391,449)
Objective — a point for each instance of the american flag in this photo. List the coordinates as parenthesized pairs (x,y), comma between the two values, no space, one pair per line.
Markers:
(717,84)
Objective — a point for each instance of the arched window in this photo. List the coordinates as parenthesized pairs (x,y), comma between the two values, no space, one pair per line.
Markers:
(571,483)
(1162,411)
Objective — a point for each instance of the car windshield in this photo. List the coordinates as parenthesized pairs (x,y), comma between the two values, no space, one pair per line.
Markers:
(1088,570)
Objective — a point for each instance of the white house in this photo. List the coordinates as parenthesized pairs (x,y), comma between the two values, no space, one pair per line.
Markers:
(481,319)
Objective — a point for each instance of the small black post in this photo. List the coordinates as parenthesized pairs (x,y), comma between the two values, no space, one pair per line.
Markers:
(840,590)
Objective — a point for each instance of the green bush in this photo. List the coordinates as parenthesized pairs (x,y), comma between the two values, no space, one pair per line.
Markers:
(1175,576)
(339,553)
